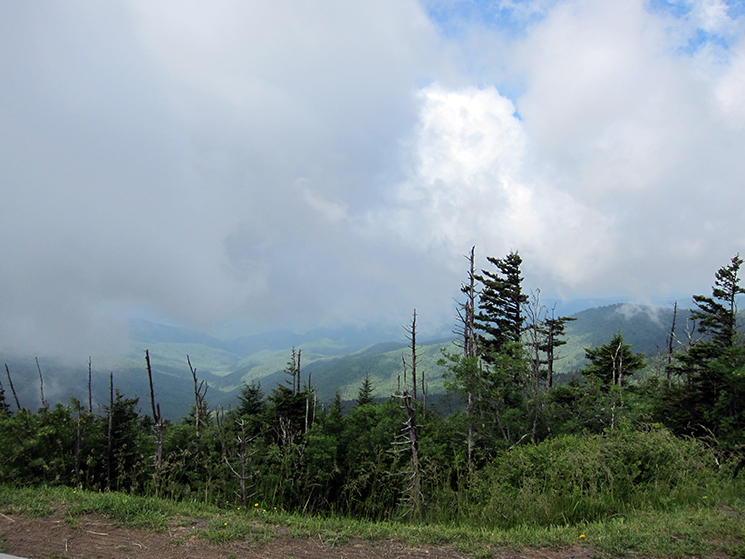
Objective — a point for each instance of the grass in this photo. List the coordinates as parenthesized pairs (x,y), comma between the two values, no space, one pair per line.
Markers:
(715,526)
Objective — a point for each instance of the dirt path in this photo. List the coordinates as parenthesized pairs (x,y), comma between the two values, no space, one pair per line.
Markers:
(94,537)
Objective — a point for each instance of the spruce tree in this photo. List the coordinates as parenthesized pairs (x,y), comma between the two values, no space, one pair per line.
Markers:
(613,362)
(500,317)
(717,315)
(365,393)
(717,322)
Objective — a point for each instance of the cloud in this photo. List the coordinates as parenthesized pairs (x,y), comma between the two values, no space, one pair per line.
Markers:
(200,161)
(615,171)
(302,164)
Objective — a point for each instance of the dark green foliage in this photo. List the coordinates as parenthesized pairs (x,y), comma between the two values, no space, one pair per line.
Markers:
(574,479)
(4,407)
(717,315)
(127,456)
(364,396)
(613,363)
(709,400)
(499,315)
(252,408)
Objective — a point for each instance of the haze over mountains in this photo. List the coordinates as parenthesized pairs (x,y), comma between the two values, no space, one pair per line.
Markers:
(335,360)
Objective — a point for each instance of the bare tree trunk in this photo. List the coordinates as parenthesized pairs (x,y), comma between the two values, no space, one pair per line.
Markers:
(158,427)
(78,444)
(109,436)
(12,388)
(41,386)
(90,391)
(408,440)
(307,411)
(424,398)
(298,371)
(411,336)
(410,430)
(242,456)
(467,314)
(242,478)
(670,338)
(199,396)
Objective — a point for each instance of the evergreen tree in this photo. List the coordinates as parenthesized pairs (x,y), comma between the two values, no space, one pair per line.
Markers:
(500,316)
(126,455)
(717,315)
(364,395)
(4,407)
(613,362)
(710,401)
(717,322)
(553,329)
(252,408)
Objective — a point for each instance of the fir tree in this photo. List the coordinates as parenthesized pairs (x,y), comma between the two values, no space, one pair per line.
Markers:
(365,393)
(613,362)
(500,316)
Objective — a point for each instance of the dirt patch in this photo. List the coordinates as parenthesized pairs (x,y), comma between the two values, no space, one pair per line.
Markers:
(97,537)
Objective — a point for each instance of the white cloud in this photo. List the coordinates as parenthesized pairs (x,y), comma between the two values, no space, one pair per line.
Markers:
(284,162)
(471,182)
(622,175)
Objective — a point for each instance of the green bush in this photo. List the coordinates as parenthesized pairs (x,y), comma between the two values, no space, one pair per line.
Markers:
(583,478)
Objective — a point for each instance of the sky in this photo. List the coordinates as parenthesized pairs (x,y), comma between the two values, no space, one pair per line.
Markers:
(295,164)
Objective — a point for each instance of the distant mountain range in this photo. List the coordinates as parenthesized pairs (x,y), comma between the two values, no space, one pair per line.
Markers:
(333,359)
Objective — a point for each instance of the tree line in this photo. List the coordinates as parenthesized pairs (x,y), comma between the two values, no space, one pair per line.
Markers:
(403,458)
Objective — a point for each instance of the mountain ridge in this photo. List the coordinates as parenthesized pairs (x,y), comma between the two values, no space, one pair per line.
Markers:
(334,364)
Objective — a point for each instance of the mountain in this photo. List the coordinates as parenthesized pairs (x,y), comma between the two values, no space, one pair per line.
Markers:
(645,328)
(334,359)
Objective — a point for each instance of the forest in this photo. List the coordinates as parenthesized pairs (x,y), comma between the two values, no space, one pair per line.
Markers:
(519,448)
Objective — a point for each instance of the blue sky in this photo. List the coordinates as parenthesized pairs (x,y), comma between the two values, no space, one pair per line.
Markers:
(299,164)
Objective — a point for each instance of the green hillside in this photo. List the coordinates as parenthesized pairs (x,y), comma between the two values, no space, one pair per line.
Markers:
(644,328)
(334,360)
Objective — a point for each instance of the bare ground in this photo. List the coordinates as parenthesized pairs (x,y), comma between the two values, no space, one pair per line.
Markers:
(94,537)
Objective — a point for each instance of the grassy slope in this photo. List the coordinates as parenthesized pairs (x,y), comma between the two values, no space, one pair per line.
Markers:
(713,527)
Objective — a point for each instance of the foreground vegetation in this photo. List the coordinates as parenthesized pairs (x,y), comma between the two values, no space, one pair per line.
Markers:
(621,460)
(711,525)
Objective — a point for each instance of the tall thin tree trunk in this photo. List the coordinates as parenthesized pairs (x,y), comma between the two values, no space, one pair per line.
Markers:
(415,490)
(12,388)
(468,317)
(109,436)
(411,335)
(670,338)
(90,391)
(78,444)
(198,398)
(158,427)
(41,386)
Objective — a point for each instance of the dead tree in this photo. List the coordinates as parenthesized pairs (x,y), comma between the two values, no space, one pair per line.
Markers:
(78,443)
(158,421)
(90,392)
(467,310)
(310,394)
(12,388)
(535,314)
(110,433)
(411,336)
(243,457)
(467,332)
(408,438)
(200,391)
(670,338)
(41,386)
